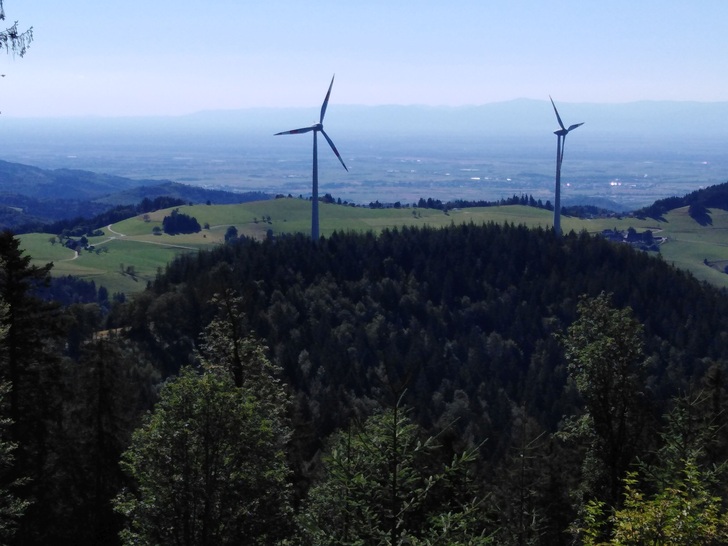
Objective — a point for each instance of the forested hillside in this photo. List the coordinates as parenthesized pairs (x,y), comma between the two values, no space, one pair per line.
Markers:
(469,385)
(33,197)
(698,201)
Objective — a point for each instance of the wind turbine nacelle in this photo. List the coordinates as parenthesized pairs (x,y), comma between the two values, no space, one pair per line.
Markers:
(561,132)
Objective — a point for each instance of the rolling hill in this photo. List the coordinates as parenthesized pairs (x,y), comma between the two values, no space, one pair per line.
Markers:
(131,245)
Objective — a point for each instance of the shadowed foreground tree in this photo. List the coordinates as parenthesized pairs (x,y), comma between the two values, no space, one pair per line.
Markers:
(11,506)
(32,365)
(384,486)
(675,500)
(207,469)
(110,388)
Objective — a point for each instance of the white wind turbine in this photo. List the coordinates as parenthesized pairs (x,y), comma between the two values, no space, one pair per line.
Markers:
(561,140)
(316,128)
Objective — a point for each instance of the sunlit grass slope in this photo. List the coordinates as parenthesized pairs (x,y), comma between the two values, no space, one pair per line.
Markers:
(129,253)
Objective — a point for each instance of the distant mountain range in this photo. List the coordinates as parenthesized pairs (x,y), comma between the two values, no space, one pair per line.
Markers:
(676,120)
(30,195)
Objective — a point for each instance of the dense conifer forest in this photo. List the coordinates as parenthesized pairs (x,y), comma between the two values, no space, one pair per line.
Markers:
(478,384)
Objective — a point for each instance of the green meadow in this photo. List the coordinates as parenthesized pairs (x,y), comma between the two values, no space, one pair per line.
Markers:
(129,254)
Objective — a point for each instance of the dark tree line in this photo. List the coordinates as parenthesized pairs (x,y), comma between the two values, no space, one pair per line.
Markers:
(523,199)
(179,222)
(699,200)
(83,225)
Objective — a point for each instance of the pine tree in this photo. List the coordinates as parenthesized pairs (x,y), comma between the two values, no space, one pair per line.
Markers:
(383,486)
(12,507)
(207,469)
(109,388)
(33,369)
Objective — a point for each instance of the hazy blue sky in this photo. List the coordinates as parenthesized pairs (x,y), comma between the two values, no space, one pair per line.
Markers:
(148,57)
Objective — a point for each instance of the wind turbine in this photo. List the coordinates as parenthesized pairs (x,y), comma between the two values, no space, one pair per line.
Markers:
(316,128)
(561,141)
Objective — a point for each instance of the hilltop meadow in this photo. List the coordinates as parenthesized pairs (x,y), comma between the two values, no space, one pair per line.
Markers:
(129,254)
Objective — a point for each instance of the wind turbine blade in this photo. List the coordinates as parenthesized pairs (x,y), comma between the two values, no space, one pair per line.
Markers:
(334,149)
(575,126)
(297,131)
(326,100)
(558,117)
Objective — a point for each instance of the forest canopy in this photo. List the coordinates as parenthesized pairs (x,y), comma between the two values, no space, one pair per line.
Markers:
(479,346)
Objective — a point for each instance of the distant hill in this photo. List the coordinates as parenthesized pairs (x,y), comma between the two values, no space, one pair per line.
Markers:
(699,200)
(31,195)
(193,194)
(65,184)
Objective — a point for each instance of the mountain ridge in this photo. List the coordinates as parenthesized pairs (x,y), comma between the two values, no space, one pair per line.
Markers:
(34,196)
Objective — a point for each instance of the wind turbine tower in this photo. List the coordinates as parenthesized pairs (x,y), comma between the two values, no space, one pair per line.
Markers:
(317,128)
(560,142)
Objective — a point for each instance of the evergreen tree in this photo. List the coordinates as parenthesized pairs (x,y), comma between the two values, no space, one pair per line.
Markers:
(207,469)
(383,486)
(12,507)
(520,485)
(33,368)
(179,222)
(110,387)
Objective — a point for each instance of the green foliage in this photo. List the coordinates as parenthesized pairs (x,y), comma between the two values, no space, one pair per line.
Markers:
(383,486)
(672,500)
(462,318)
(227,347)
(604,351)
(207,469)
(683,512)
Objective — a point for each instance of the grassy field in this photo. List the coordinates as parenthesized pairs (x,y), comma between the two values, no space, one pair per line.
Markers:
(129,254)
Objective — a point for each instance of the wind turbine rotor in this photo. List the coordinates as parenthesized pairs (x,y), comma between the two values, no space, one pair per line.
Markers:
(298,131)
(563,131)
(331,143)
(316,128)
(558,117)
(572,127)
(326,100)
